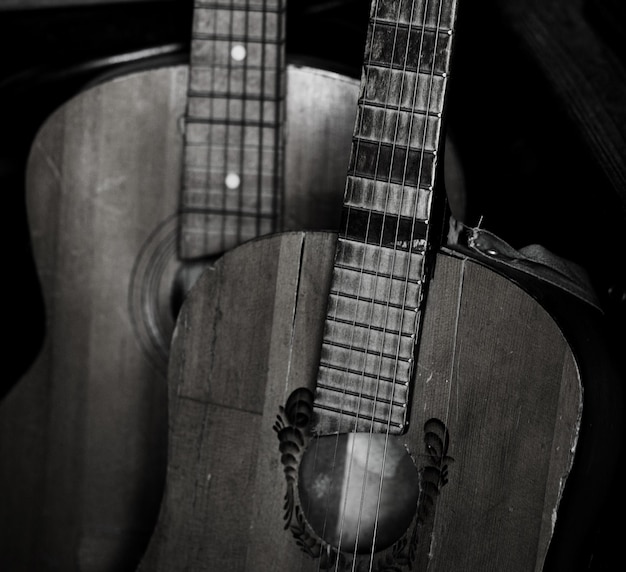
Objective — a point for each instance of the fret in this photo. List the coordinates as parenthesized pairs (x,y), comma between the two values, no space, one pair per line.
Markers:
(215,233)
(383,196)
(336,320)
(254,198)
(379,407)
(234,120)
(238,25)
(244,110)
(235,213)
(409,91)
(355,351)
(201,39)
(237,141)
(239,96)
(396,305)
(372,365)
(398,127)
(212,174)
(365,286)
(414,26)
(250,5)
(348,419)
(356,377)
(384,162)
(371,258)
(219,52)
(430,14)
(371,312)
(367,339)
(385,394)
(235,82)
(390,49)
(384,229)
(409,280)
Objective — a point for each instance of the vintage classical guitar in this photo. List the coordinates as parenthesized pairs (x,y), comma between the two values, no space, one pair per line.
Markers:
(258,146)
(370,401)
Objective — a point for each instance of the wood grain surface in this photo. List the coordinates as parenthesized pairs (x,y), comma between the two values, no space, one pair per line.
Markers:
(83,434)
(492,367)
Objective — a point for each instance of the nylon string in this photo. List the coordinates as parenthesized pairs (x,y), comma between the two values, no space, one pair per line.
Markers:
(422,151)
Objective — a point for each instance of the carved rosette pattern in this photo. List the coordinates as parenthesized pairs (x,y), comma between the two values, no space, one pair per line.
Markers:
(292,427)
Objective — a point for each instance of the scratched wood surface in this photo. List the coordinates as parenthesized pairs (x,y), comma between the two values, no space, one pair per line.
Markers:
(83,434)
(492,366)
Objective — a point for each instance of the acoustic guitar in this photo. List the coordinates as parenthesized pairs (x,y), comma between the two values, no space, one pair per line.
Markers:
(258,145)
(374,400)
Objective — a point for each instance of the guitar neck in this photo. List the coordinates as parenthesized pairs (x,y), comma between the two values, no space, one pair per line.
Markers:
(380,271)
(233,149)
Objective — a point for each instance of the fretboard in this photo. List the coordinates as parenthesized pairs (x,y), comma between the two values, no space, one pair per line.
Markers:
(378,283)
(233,153)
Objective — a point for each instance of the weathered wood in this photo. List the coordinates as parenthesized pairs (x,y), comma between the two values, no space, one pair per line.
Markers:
(386,220)
(493,368)
(83,434)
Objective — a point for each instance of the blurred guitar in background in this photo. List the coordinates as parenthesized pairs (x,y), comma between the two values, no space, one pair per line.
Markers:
(133,186)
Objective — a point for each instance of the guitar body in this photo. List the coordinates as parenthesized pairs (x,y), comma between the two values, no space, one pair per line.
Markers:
(494,422)
(83,434)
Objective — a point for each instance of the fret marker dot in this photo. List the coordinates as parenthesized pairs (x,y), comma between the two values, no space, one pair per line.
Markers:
(238,53)
(232,181)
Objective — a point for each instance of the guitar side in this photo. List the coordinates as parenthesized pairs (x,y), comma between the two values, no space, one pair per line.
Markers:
(82,434)
(493,370)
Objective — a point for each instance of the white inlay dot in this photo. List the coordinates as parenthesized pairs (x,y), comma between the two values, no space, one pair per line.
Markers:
(238,53)
(232,180)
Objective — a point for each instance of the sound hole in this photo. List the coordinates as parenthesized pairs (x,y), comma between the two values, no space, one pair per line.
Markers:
(358,491)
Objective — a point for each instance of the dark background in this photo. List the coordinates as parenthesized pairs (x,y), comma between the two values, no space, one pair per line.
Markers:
(539,121)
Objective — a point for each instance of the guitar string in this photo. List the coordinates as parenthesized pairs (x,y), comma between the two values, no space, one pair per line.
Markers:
(359,131)
(259,181)
(227,122)
(335,452)
(454,357)
(423,148)
(197,40)
(386,108)
(280,67)
(424,134)
(372,303)
(438,135)
(348,478)
(445,81)
(242,104)
(408,135)
(212,145)
(406,158)
(409,255)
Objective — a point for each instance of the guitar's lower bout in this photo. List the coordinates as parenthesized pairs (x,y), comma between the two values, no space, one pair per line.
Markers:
(496,389)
